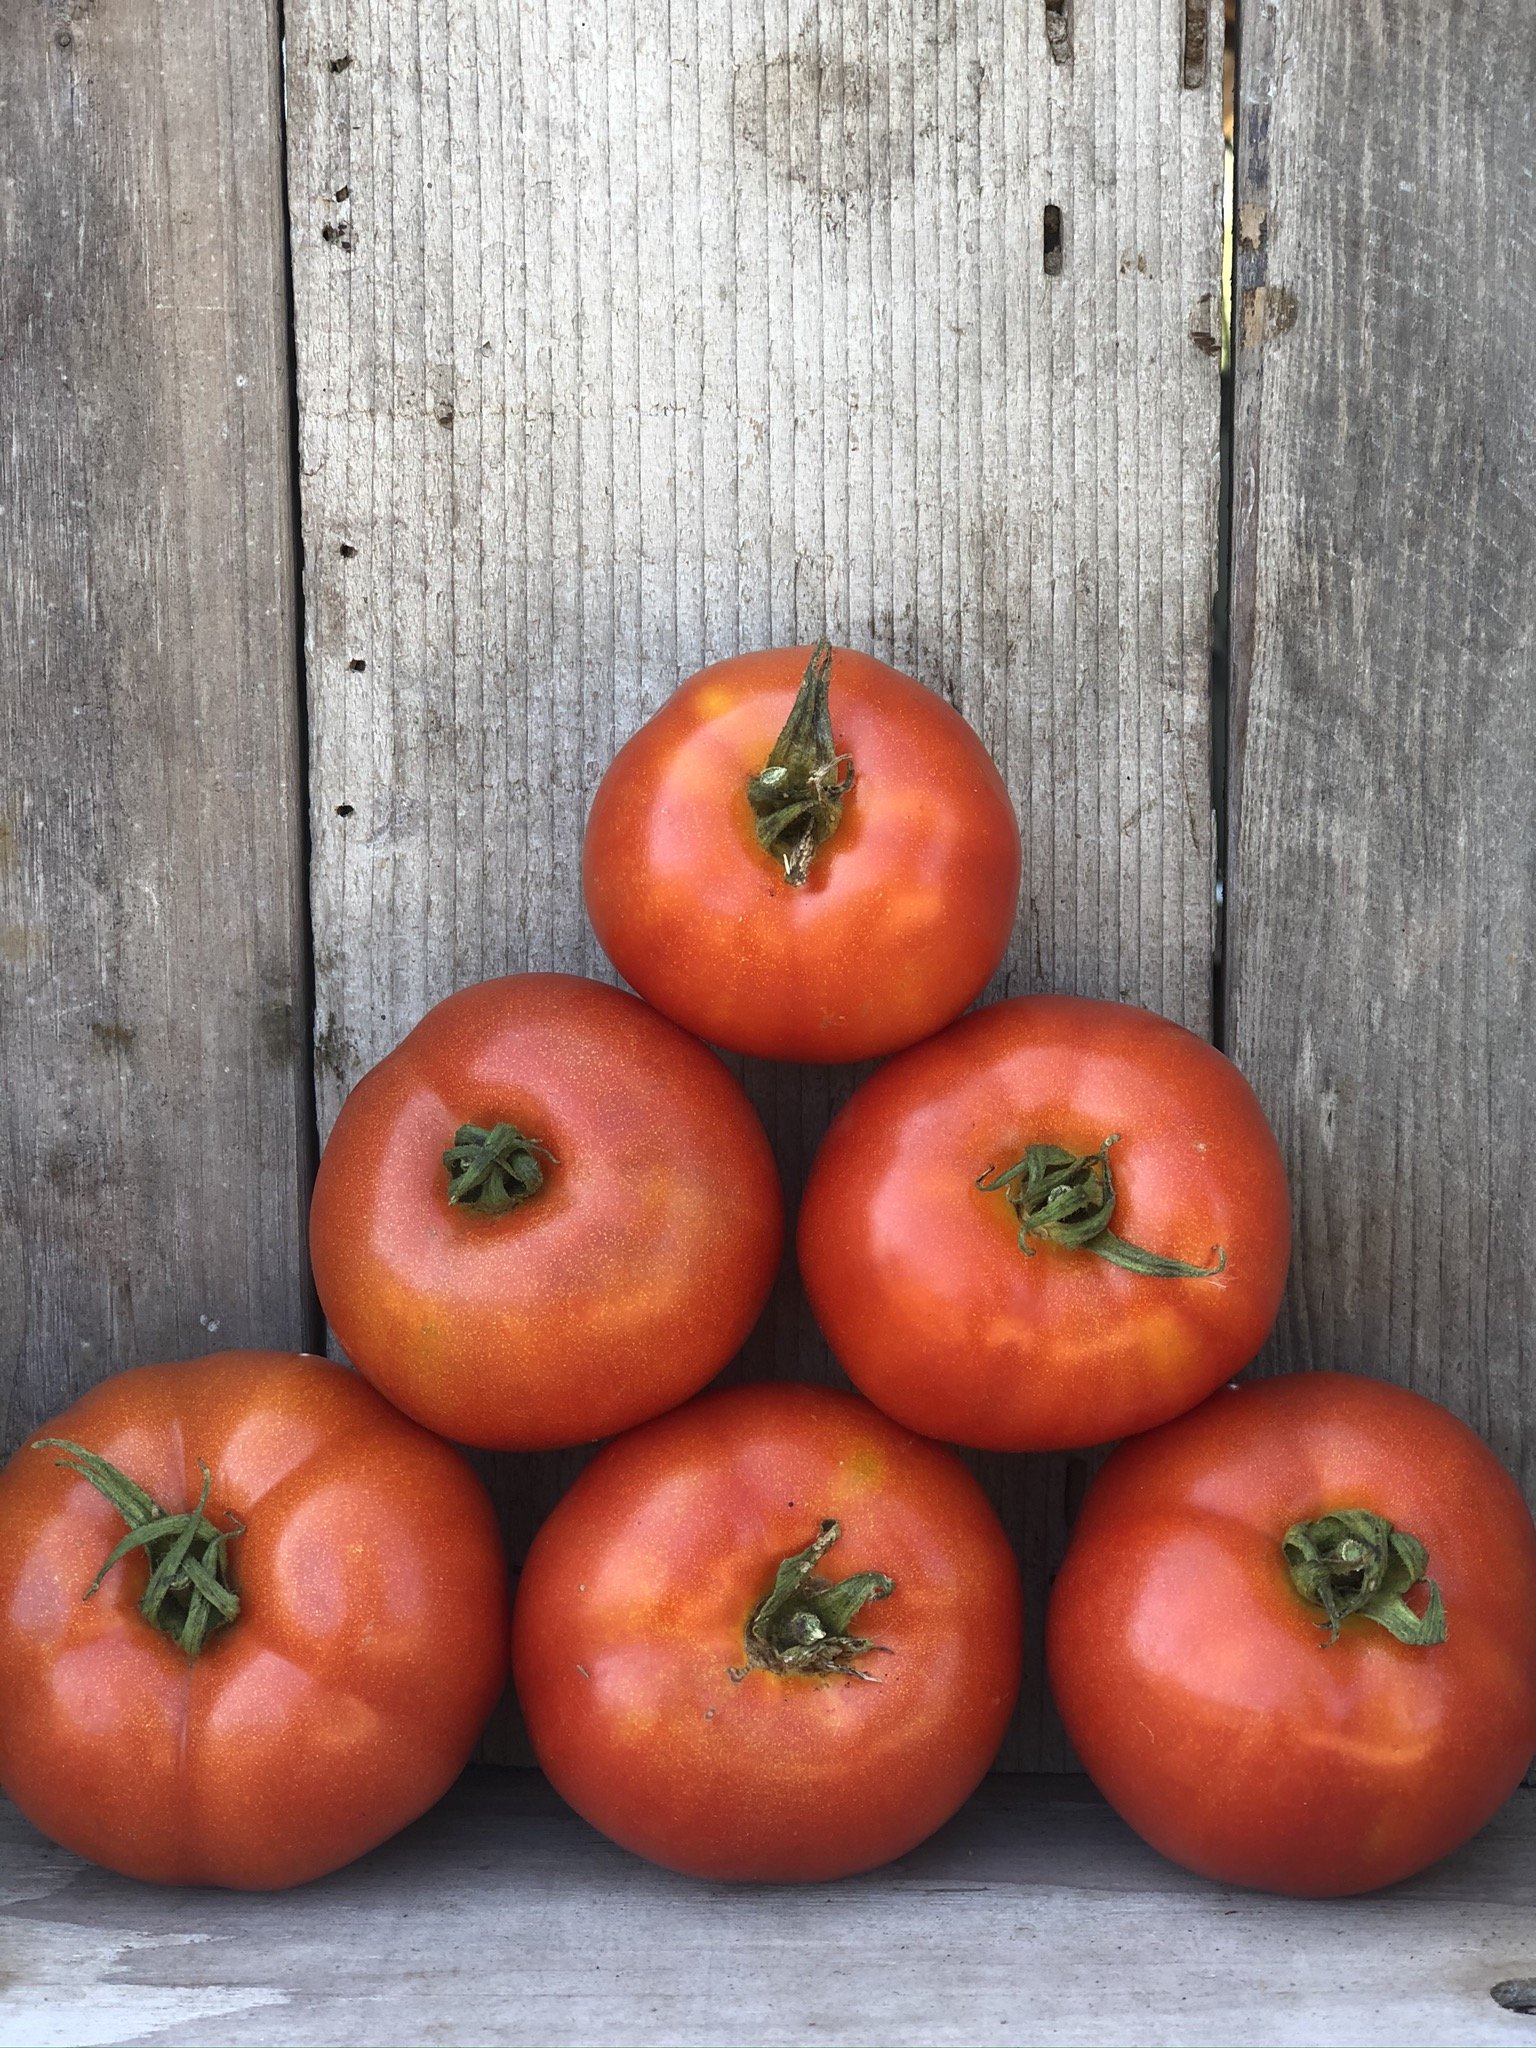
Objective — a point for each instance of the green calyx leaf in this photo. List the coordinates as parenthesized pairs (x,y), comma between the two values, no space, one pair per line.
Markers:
(1067,1198)
(494,1170)
(188,1595)
(1355,1562)
(797,798)
(803,1624)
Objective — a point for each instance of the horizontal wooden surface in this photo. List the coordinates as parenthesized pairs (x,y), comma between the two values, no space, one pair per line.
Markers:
(631,337)
(155,1121)
(1035,1917)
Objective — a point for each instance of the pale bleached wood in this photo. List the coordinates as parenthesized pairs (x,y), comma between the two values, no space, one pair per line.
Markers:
(632,335)
(1384,777)
(1034,1918)
(155,1110)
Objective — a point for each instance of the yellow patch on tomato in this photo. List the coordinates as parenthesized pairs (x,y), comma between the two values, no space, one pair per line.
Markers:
(865,1467)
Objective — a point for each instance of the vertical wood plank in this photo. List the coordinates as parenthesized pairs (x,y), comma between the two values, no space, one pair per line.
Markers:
(155,1117)
(1384,731)
(637,332)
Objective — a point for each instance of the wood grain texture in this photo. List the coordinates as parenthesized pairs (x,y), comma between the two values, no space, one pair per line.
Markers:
(1036,1917)
(153,970)
(634,334)
(1384,763)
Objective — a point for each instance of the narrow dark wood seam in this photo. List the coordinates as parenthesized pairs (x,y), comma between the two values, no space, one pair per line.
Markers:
(1243,454)
(306,1101)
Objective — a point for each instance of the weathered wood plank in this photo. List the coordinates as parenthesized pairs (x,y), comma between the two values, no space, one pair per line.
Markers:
(153,964)
(1384,759)
(631,336)
(1035,1917)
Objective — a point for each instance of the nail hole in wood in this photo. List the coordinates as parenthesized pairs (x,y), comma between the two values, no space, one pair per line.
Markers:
(1194,42)
(343,192)
(347,549)
(344,810)
(1051,241)
(1058,30)
(357,665)
(340,63)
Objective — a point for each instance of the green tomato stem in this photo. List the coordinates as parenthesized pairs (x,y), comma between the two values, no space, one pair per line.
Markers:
(189,1594)
(1355,1562)
(802,1625)
(494,1170)
(797,797)
(1067,1198)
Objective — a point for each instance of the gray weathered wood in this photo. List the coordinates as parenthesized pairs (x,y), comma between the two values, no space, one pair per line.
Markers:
(1384,765)
(153,972)
(631,336)
(1035,1917)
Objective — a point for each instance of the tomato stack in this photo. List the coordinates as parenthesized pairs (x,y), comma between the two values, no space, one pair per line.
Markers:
(253,1609)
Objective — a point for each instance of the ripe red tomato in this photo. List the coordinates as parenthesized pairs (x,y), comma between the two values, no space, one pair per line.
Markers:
(545,1216)
(705,1723)
(1055,1223)
(345,1584)
(826,889)
(1196,1676)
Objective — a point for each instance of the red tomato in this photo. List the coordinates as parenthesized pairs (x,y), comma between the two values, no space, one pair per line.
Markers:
(545,1216)
(724,1733)
(1198,1682)
(1009,1316)
(877,910)
(337,1702)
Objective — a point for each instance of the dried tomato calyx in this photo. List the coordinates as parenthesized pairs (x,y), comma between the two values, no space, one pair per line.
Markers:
(494,1170)
(189,1594)
(802,1625)
(1355,1562)
(1067,1198)
(797,797)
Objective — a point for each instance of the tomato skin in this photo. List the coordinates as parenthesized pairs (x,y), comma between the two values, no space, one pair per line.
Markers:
(916,1276)
(908,907)
(619,1290)
(631,1613)
(1193,1678)
(347,1694)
